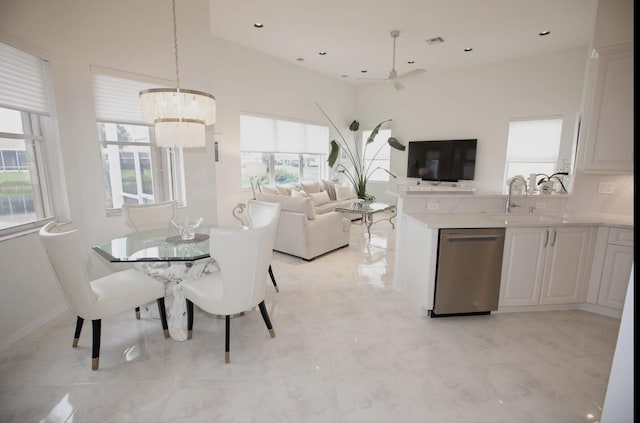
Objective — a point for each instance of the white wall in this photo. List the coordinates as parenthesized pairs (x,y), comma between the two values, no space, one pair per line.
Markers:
(136,36)
(479,102)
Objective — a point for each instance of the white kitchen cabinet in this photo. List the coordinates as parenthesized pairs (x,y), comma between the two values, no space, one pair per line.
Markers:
(608,129)
(544,265)
(618,261)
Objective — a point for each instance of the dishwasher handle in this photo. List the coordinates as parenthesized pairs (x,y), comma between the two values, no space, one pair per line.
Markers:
(460,238)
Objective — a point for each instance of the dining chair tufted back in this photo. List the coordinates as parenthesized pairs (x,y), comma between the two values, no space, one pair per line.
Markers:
(142,217)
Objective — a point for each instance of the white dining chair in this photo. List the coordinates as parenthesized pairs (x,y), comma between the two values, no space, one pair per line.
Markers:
(261,213)
(142,217)
(243,256)
(99,298)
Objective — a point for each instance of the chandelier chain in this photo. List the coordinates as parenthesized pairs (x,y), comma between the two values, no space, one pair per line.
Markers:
(175,43)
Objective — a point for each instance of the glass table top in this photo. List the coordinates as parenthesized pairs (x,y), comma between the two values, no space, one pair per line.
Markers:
(156,245)
(366,207)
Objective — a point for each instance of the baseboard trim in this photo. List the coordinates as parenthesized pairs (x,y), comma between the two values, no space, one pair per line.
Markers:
(22,332)
(598,309)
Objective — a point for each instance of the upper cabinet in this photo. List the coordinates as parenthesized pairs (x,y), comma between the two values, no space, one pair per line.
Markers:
(608,122)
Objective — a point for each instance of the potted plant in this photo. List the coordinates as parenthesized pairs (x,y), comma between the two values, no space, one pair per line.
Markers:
(546,182)
(359,172)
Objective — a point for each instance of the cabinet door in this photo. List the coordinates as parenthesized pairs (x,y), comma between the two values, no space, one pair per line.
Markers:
(566,263)
(522,266)
(609,129)
(615,276)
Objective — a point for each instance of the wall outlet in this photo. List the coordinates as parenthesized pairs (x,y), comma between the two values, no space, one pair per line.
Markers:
(433,205)
(540,205)
(605,188)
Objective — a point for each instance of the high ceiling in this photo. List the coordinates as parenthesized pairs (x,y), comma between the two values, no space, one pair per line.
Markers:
(355,34)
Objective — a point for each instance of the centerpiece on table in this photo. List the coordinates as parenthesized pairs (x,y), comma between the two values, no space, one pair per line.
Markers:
(359,172)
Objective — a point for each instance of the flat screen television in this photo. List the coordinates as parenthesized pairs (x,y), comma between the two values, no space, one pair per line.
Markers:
(445,161)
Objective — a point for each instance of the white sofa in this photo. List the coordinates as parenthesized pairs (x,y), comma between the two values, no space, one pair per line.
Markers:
(303,232)
(322,194)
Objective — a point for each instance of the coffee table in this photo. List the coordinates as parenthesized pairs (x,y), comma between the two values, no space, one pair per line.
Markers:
(367,209)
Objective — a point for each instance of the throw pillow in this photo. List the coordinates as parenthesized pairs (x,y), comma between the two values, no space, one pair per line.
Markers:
(298,194)
(330,187)
(311,187)
(343,192)
(319,198)
(265,189)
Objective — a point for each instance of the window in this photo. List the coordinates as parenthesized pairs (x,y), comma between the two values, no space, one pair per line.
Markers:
(135,171)
(292,151)
(533,146)
(377,154)
(24,121)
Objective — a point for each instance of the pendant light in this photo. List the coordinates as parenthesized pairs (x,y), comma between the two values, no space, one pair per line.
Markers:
(178,115)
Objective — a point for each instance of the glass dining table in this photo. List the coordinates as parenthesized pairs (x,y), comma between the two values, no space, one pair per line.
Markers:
(166,257)
(157,245)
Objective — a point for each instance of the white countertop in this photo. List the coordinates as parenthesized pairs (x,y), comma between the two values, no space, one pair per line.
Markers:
(497,219)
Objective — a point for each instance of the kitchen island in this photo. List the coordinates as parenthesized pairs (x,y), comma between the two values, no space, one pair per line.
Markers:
(551,260)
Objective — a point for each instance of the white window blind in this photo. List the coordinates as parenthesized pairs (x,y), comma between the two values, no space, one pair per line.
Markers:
(22,81)
(117,99)
(534,140)
(379,143)
(261,134)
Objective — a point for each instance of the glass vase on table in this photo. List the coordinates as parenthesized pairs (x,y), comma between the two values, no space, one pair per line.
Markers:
(187,227)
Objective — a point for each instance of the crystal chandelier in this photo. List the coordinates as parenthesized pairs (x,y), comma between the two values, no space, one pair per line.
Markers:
(179,115)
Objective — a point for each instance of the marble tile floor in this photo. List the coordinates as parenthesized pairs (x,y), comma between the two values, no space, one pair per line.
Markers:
(348,349)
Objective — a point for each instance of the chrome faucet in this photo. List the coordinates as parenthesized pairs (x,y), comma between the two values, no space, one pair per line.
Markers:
(509,204)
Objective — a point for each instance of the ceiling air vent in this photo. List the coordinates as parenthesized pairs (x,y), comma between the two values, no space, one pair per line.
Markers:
(435,40)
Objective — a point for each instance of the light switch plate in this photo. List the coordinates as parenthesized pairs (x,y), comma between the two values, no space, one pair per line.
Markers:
(605,188)
(433,205)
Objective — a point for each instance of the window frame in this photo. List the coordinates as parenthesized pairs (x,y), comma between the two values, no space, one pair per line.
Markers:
(384,149)
(269,157)
(541,163)
(34,139)
(167,164)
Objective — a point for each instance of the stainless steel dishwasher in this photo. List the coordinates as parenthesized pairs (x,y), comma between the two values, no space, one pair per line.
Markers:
(468,271)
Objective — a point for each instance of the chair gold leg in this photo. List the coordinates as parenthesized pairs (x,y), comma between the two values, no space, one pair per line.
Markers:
(189,334)
(137,313)
(166,334)
(75,342)
(95,362)
(272,333)
(226,358)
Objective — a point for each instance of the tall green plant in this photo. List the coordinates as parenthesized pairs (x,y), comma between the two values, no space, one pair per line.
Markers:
(359,172)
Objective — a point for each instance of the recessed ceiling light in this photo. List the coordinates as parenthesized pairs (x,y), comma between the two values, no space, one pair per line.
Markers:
(468,49)
(322,53)
(363,71)
(258,25)
(543,33)
(344,76)
(411,62)
(435,40)
(300,59)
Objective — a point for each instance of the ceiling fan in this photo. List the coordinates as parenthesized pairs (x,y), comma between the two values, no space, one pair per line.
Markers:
(393,75)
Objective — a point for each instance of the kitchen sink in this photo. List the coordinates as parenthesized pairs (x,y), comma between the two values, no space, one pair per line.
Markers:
(541,219)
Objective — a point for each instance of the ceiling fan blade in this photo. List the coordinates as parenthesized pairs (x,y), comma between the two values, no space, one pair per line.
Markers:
(373,79)
(398,86)
(414,72)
